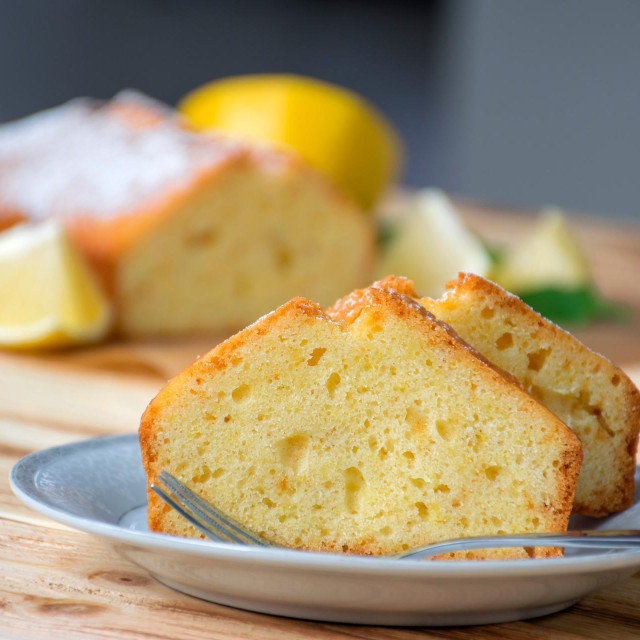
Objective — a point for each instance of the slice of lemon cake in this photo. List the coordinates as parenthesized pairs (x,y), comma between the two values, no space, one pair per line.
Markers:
(188,231)
(586,391)
(368,429)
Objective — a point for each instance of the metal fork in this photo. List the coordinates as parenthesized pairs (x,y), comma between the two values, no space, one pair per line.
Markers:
(222,528)
(204,516)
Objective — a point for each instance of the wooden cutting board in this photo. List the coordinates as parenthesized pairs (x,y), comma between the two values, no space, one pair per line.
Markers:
(59,583)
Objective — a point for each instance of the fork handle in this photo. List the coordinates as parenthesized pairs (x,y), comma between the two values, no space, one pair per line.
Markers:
(626,539)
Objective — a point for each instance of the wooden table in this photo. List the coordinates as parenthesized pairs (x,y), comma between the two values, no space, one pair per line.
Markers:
(59,583)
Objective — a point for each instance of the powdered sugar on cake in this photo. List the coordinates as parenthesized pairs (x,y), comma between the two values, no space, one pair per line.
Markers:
(85,157)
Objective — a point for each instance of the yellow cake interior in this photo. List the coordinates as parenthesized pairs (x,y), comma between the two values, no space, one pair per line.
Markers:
(238,247)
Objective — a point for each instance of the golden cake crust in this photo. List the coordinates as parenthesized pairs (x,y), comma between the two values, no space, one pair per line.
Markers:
(348,307)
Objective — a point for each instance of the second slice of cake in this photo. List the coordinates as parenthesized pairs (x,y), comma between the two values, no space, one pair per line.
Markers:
(369,430)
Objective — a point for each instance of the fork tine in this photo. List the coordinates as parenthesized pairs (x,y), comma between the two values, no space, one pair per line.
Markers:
(211,515)
(216,528)
(221,535)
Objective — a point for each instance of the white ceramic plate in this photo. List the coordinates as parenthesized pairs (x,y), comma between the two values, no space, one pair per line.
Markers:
(98,486)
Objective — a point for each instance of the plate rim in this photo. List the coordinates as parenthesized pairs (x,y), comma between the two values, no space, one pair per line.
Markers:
(22,480)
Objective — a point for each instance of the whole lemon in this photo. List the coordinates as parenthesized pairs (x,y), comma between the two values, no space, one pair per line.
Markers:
(333,129)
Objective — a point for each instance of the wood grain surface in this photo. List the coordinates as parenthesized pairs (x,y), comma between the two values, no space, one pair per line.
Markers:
(59,583)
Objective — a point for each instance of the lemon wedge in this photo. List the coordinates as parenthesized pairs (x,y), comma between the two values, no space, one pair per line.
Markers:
(333,129)
(48,295)
(549,257)
(431,245)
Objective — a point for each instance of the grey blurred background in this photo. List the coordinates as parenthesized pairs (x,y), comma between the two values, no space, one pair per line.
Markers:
(521,103)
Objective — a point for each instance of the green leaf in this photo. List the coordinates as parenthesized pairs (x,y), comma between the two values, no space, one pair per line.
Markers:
(496,254)
(575,307)
(386,233)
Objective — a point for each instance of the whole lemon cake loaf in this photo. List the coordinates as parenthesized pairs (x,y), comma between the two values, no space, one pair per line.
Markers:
(586,391)
(369,429)
(188,231)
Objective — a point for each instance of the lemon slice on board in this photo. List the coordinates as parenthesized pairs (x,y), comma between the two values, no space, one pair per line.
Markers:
(333,129)
(550,256)
(48,295)
(431,245)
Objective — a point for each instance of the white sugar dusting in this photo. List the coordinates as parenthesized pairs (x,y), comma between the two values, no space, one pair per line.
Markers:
(84,158)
